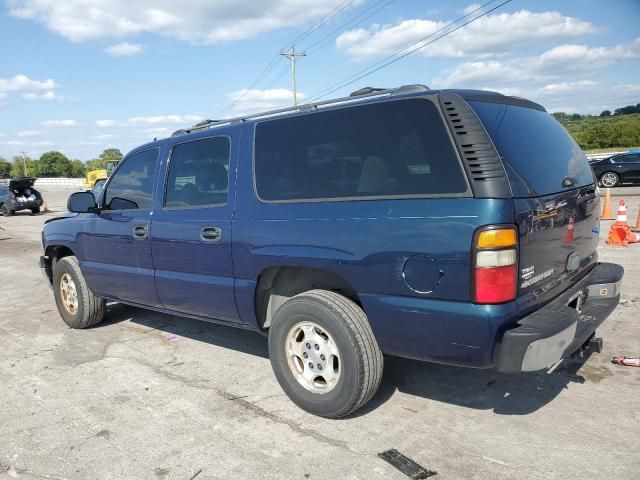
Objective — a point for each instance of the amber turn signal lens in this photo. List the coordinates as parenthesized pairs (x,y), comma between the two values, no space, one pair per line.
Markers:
(502,237)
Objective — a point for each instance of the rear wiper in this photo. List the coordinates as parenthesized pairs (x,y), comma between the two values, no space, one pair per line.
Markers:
(567,182)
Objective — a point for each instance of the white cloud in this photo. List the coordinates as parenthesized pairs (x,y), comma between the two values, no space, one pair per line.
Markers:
(107,123)
(50,95)
(163,119)
(24,83)
(105,136)
(190,20)
(563,78)
(60,123)
(550,67)
(255,100)
(151,120)
(28,133)
(489,35)
(471,8)
(30,87)
(124,49)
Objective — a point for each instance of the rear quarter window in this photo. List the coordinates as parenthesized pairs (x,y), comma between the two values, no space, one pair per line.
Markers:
(537,150)
(387,149)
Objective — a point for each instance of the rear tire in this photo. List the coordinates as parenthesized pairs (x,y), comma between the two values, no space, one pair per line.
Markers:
(5,211)
(342,365)
(35,211)
(609,179)
(77,305)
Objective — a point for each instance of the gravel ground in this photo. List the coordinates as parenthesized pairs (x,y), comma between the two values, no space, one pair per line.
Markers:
(152,396)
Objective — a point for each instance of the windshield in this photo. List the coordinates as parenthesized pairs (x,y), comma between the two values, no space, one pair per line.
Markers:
(537,150)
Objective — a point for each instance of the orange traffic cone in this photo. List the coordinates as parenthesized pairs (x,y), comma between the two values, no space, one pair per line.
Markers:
(606,210)
(568,238)
(620,232)
(45,208)
(637,229)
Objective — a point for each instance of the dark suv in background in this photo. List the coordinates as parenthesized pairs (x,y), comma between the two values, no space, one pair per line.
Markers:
(452,226)
(618,169)
(18,194)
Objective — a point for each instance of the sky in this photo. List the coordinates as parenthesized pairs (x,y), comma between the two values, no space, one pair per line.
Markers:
(81,76)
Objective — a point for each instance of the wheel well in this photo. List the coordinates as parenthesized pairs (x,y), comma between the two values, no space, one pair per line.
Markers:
(276,285)
(52,254)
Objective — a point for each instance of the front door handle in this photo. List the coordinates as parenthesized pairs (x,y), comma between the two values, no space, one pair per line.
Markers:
(141,232)
(210,234)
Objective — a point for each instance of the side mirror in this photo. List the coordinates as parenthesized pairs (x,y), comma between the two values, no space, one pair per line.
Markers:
(82,202)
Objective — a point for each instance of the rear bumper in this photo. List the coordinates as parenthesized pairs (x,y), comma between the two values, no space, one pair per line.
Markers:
(557,329)
(15,205)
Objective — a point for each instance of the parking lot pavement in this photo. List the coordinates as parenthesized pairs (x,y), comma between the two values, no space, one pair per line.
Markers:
(152,396)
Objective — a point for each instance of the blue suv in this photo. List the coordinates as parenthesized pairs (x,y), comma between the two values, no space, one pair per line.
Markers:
(452,226)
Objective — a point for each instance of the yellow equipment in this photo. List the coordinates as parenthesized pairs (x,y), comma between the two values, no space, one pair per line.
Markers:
(100,174)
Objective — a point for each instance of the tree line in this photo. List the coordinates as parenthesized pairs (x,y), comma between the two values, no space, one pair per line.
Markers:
(618,130)
(54,164)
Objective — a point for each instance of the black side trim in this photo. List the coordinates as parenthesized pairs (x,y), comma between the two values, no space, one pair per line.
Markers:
(480,159)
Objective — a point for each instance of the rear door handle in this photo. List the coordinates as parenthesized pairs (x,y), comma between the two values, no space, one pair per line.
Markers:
(141,232)
(210,234)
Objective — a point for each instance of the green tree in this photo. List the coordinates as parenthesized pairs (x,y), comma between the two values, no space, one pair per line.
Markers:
(111,154)
(95,164)
(54,164)
(78,170)
(18,167)
(5,168)
(606,113)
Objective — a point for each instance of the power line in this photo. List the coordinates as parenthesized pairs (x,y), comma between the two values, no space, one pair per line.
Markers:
(332,14)
(329,37)
(400,55)
(259,96)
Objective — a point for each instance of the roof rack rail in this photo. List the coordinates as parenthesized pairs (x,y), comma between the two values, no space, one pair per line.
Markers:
(357,95)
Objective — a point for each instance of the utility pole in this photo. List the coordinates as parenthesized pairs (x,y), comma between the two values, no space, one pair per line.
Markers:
(24,162)
(293,56)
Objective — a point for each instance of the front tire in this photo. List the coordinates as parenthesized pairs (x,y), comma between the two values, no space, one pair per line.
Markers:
(35,211)
(5,211)
(323,353)
(609,179)
(77,305)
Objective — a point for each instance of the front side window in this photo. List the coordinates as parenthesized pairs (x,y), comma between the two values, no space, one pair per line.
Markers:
(198,173)
(388,149)
(131,187)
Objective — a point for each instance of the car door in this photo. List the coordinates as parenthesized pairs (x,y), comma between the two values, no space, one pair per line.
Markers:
(632,167)
(116,243)
(191,235)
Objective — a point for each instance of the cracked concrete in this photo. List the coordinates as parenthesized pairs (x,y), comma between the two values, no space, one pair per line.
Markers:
(151,396)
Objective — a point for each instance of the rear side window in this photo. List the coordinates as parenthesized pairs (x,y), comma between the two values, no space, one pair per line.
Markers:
(389,149)
(132,184)
(198,173)
(538,152)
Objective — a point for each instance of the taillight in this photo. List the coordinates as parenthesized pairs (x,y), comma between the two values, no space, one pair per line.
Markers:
(495,265)
(12,196)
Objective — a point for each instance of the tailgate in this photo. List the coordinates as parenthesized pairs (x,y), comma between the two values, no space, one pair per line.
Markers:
(558,240)
(554,197)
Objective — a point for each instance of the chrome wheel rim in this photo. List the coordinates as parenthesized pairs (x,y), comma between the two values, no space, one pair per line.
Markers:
(609,179)
(69,294)
(313,357)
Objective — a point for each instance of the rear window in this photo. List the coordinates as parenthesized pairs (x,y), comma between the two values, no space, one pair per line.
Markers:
(538,152)
(389,149)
